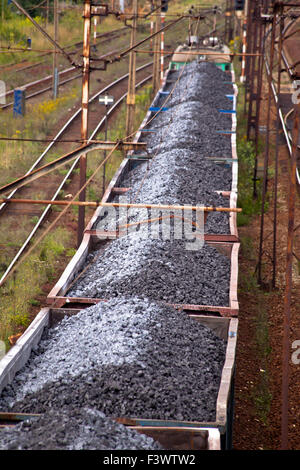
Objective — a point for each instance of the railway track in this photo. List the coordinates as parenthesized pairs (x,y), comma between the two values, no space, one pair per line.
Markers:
(71,129)
(107,36)
(43,85)
(38,87)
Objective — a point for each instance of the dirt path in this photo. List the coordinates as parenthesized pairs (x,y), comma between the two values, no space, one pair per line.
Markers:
(259,353)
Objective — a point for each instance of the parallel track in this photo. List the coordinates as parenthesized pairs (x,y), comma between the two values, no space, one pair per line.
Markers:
(66,72)
(70,171)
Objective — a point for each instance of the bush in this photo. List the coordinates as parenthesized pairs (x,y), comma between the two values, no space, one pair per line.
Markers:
(250,206)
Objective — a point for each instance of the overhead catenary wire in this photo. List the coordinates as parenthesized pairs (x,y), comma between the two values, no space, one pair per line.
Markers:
(63,212)
(46,210)
(49,228)
(44,33)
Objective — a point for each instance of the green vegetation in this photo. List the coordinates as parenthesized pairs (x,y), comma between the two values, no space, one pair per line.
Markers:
(16,29)
(260,392)
(246,156)
(117,131)
(17,157)
(20,292)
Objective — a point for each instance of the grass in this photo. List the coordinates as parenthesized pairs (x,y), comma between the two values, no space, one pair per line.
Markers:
(15,30)
(117,131)
(17,157)
(260,394)
(20,292)
(246,155)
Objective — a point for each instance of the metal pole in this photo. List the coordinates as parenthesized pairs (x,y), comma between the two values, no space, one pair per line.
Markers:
(104,166)
(47,15)
(84,112)
(277,150)
(95,31)
(288,285)
(249,49)
(151,32)
(266,159)
(261,34)
(55,68)
(252,68)
(243,77)
(162,46)
(156,59)
(231,34)
(132,74)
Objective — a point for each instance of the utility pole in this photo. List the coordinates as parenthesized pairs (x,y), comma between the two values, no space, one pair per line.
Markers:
(47,14)
(132,74)
(162,47)
(55,55)
(156,58)
(84,112)
(95,32)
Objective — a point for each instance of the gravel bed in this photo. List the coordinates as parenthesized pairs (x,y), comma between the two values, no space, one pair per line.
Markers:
(174,371)
(81,429)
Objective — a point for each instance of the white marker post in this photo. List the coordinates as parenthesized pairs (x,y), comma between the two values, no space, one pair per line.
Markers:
(106,100)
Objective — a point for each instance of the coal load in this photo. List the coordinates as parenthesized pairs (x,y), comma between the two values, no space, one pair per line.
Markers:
(173,371)
(132,355)
(81,429)
(185,183)
(182,143)
(161,270)
(154,260)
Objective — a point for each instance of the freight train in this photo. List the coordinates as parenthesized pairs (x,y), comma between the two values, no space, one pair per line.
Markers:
(140,334)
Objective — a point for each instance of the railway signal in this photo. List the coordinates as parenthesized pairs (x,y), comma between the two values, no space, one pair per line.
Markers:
(239,5)
(164,6)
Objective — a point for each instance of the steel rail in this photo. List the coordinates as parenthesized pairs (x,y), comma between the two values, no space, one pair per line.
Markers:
(44,90)
(67,124)
(282,120)
(77,45)
(47,79)
(38,82)
(67,176)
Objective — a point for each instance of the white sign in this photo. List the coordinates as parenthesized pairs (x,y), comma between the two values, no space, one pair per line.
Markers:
(106,99)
